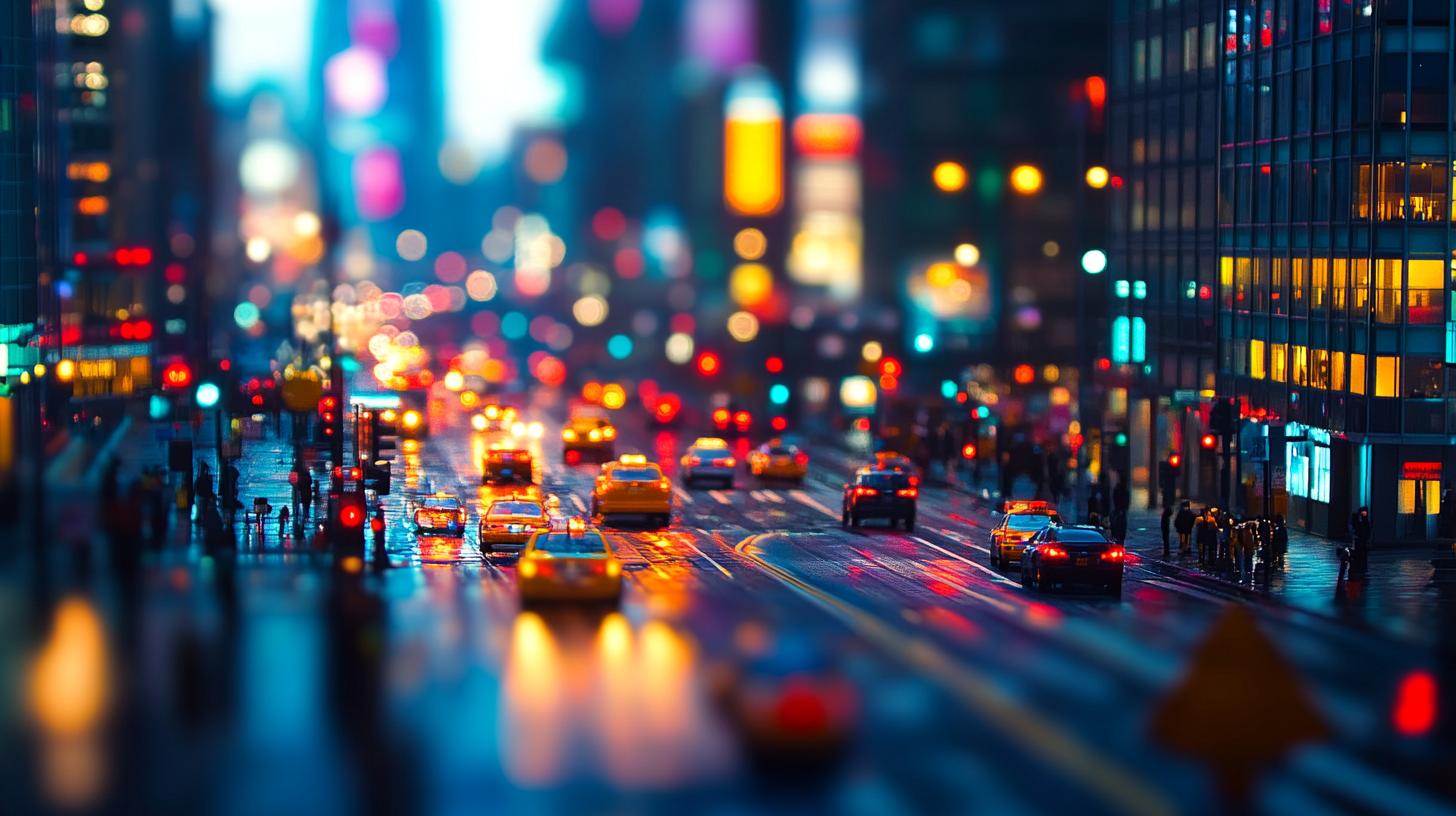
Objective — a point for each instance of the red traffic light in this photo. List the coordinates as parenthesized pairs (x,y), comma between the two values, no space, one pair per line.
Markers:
(351,515)
(667,407)
(327,404)
(1174,459)
(708,364)
(774,365)
(177,375)
(1209,441)
(969,451)
(779,423)
(890,367)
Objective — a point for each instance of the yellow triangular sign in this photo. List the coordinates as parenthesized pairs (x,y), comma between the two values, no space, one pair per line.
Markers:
(1239,708)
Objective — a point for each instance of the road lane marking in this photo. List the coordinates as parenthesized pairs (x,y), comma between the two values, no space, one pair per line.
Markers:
(688,539)
(757,495)
(809,501)
(720,497)
(686,497)
(996,576)
(1119,789)
(773,497)
(973,545)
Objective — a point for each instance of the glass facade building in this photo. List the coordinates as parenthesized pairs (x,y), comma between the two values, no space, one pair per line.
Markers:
(1163,103)
(1335,253)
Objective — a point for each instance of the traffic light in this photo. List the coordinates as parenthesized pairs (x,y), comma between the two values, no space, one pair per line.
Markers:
(774,365)
(328,407)
(384,436)
(1175,461)
(1209,441)
(349,517)
(969,450)
(176,376)
(890,367)
(708,364)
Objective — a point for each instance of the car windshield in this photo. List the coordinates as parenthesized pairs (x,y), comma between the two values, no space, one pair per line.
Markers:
(440,504)
(883,481)
(1081,537)
(713,453)
(567,544)
(509,454)
(781,451)
(514,508)
(636,474)
(1028,521)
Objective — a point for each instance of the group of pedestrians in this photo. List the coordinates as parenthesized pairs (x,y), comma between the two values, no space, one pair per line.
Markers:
(1226,544)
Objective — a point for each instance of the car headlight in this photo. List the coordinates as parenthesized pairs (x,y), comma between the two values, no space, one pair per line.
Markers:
(609,432)
(568,435)
(594,435)
(478,422)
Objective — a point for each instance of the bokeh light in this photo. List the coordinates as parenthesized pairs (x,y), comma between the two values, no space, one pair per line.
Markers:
(742,326)
(949,176)
(411,244)
(1026,179)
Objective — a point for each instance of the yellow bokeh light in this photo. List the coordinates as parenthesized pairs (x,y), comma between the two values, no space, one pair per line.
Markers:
(750,284)
(454,380)
(949,176)
(941,274)
(872,352)
(69,682)
(590,310)
(750,244)
(742,326)
(1097,177)
(613,396)
(1026,179)
(66,370)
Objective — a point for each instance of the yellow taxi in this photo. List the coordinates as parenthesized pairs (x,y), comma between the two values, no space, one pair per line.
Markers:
(776,460)
(586,436)
(507,465)
(575,564)
(511,522)
(633,486)
(1023,520)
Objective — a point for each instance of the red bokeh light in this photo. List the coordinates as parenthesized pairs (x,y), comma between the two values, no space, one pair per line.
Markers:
(1415,704)
(608,224)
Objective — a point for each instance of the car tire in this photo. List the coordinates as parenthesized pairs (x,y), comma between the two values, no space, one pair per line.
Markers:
(853,520)
(910,523)
(995,557)
(844,519)
(1025,574)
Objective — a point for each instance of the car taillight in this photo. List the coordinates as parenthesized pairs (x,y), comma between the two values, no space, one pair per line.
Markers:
(730,462)
(1114,553)
(907,492)
(742,418)
(609,433)
(914,480)
(1052,552)
(801,458)
(694,461)
(663,484)
(866,491)
(720,417)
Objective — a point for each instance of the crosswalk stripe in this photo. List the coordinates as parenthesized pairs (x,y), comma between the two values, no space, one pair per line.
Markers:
(719,497)
(686,497)
(773,497)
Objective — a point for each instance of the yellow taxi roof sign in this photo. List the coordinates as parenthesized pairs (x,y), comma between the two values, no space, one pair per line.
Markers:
(1239,707)
(633,459)
(710,442)
(1029,506)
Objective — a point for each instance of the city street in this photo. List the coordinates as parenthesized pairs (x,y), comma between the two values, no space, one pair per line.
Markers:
(967,687)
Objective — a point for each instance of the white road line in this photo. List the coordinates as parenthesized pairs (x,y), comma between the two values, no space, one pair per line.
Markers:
(699,551)
(973,545)
(995,576)
(580,505)
(686,497)
(720,497)
(809,501)
(757,495)
(773,497)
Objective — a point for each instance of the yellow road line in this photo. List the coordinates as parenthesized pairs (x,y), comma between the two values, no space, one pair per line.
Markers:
(1118,788)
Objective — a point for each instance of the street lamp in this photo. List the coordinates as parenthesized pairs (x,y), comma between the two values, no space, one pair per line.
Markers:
(967,254)
(1026,179)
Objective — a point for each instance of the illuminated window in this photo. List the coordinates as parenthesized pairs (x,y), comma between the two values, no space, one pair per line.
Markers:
(1387,376)
(1139,61)
(1357,373)
(1339,280)
(1121,339)
(1390,191)
(1297,476)
(1190,49)
(1388,275)
(1425,287)
(1360,211)
(1277,353)
(1256,359)
(1359,286)
(1337,371)
(1298,280)
(1299,368)
(1430,491)
(1319,283)
(1243,268)
(1428,190)
(1319,474)
(1319,368)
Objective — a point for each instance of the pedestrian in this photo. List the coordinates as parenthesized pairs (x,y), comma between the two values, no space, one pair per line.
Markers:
(1183,523)
(1225,541)
(230,494)
(1207,533)
(1121,496)
(283,522)
(1167,523)
(1360,531)
(202,490)
(1281,540)
(1119,526)
(1095,519)
(1094,503)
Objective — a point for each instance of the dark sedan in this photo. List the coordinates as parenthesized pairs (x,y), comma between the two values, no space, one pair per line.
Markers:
(886,494)
(1072,556)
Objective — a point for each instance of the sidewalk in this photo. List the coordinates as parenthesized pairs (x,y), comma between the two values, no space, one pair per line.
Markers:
(1401,594)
